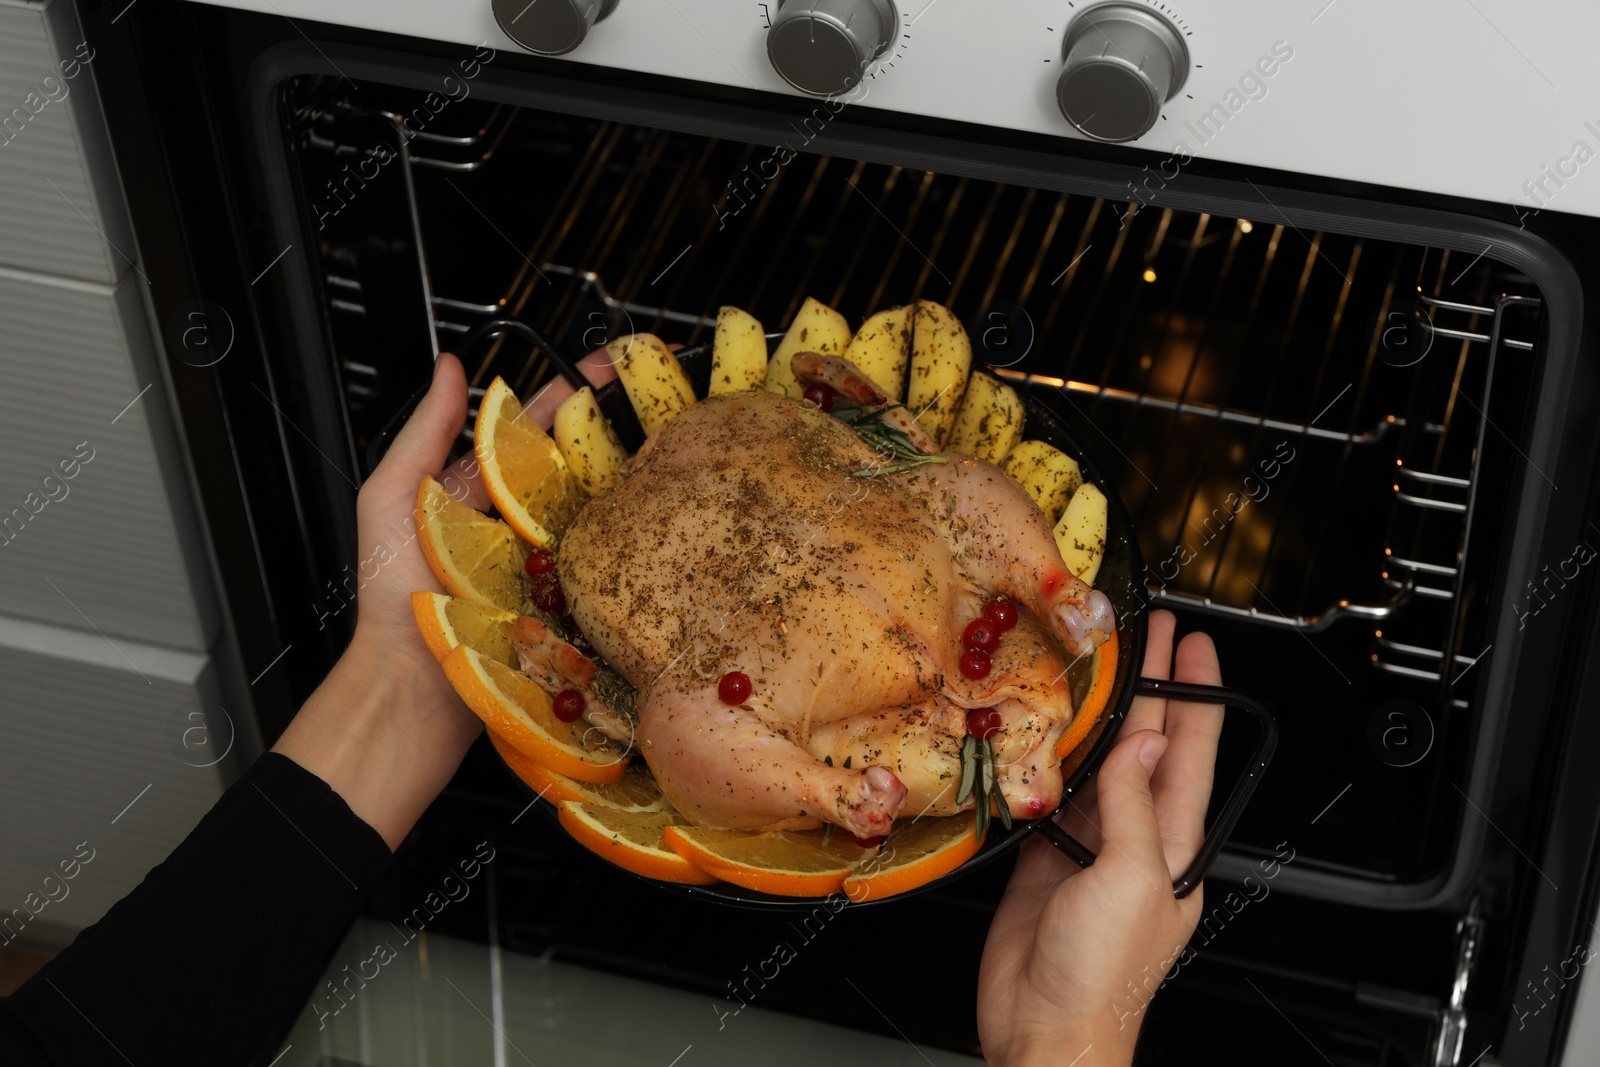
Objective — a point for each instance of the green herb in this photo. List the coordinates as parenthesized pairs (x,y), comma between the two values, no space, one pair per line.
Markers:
(614,691)
(969,765)
(979,780)
(991,783)
(827,833)
(828,760)
(869,426)
(847,760)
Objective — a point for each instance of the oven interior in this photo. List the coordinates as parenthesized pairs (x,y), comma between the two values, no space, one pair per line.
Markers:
(1295,419)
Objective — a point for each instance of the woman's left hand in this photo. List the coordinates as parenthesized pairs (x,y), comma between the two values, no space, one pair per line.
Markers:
(385,729)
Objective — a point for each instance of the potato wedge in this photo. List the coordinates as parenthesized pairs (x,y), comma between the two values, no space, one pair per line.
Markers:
(738,353)
(941,358)
(1048,474)
(653,379)
(882,348)
(588,442)
(1081,533)
(988,424)
(816,328)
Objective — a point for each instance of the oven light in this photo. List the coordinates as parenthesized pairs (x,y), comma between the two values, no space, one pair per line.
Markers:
(1244,226)
(1149,274)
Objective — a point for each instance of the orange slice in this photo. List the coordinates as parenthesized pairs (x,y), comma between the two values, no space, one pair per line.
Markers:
(513,706)
(1104,673)
(633,840)
(785,863)
(474,557)
(915,853)
(523,470)
(635,791)
(446,621)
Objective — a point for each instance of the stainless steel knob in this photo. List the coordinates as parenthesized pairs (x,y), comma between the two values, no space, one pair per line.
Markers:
(1122,61)
(550,27)
(823,47)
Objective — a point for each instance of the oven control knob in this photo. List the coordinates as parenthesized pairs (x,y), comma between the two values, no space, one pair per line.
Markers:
(550,27)
(823,47)
(1122,61)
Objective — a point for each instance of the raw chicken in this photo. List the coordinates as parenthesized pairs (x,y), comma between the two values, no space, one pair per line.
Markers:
(744,540)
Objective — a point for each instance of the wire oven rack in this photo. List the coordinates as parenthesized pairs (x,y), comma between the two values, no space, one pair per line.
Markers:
(1190,343)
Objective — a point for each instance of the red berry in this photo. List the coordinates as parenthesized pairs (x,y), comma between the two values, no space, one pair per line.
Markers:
(540,561)
(734,687)
(983,722)
(548,597)
(975,663)
(1001,612)
(820,395)
(870,842)
(982,633)
(569,705)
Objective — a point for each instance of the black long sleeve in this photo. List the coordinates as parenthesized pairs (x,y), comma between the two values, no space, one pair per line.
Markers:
(209,960)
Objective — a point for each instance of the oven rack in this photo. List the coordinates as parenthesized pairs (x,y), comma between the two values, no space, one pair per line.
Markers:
(1414,490)
(622,209)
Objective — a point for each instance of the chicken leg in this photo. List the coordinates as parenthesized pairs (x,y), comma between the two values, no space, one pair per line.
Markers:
(724,766)
(1004,543)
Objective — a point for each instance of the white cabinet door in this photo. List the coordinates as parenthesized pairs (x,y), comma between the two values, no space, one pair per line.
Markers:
(63,205)
(111,750)
(95,526)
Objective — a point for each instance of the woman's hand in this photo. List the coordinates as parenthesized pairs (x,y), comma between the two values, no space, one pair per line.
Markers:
(384,729)
(1074,955)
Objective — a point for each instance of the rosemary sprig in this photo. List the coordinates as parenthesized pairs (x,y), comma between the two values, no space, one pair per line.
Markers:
(992,781)
(969,768)
(894,468)
(978,779)
(869,425)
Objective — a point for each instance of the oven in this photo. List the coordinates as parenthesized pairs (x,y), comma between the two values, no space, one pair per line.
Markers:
(1334,353)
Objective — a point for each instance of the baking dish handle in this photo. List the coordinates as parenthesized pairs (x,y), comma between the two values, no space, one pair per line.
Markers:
(1228,818)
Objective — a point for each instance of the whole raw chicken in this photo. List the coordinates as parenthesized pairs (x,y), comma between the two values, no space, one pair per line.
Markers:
(744,540)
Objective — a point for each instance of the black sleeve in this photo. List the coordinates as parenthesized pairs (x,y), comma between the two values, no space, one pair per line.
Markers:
(210,959)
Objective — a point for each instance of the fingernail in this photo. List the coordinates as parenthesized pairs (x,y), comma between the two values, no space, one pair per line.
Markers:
(1150,752)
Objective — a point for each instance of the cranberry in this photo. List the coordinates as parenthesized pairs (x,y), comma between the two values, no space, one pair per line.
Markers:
(983,722)
(982,633)
(1001,612)
(734,687)
(820,395)
(975,663)
(540,561)
(569,705)
(870,842)
(548,597)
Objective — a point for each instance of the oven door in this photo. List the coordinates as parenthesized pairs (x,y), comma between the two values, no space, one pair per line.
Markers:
(1340,418)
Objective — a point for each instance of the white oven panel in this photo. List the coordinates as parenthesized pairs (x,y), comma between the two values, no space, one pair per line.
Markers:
(1493,99)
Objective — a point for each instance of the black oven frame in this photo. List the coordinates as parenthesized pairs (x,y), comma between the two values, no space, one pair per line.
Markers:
(211,209)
